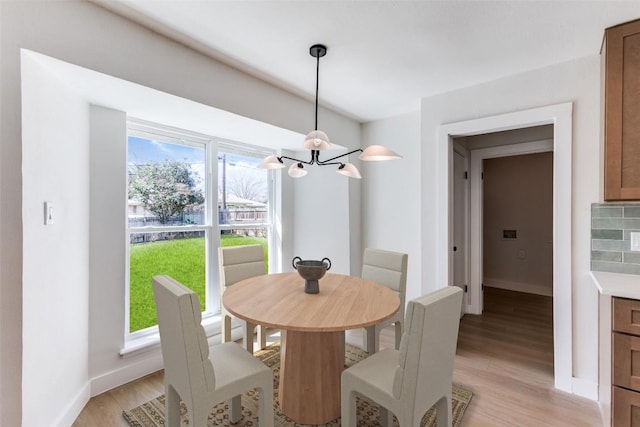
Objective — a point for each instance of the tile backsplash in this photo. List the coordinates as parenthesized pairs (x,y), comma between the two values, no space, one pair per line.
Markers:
(611,224)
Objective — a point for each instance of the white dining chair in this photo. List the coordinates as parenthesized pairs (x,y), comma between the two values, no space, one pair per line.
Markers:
(389,269)
(407,382)
(238,263)
(199,375)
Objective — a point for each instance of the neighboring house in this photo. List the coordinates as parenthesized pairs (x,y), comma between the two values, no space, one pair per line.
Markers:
(239,210)
(135,209)
(61,309)
(242,213)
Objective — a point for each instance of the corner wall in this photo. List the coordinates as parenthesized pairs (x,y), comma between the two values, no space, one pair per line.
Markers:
(392,195)
(55,261)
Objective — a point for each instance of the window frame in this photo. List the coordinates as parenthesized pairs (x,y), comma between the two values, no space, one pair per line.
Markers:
(213,147)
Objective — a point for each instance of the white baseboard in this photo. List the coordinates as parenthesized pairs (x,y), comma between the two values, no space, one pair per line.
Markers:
(70,413)
(128,373)
(528,288)
(585,388)
(149,361)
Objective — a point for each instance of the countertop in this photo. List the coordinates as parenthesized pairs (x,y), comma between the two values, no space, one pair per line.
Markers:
(617,284)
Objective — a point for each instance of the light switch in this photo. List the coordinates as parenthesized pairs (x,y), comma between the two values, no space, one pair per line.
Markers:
(635,240)
(48,213)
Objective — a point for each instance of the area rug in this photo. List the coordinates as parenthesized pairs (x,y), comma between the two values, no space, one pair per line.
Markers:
(151,414)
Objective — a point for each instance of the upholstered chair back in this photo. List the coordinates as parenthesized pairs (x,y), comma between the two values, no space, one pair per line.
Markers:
(185,349)
(240,262)
(428,347)
(387,268)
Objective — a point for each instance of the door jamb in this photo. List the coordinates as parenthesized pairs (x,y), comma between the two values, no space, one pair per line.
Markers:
(560,115)
(462,151)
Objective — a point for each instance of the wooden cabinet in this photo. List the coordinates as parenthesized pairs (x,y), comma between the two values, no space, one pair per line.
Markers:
(630,402)
(621,67)
(626,362)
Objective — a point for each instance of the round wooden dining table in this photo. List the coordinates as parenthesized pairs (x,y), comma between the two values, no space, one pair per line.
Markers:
(312,332)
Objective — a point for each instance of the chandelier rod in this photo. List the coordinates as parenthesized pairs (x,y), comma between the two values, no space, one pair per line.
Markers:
(317,80)
(317,51)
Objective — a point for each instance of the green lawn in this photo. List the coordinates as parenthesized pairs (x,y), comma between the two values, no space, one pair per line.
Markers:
(182,259)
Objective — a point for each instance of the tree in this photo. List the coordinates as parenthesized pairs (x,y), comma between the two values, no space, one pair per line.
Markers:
(248,186)
(166,188)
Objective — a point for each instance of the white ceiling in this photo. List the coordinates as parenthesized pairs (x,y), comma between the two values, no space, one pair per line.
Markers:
(383,56)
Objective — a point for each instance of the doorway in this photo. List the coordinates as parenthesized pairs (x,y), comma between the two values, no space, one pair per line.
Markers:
(517,226)
(476,259)
(560,116)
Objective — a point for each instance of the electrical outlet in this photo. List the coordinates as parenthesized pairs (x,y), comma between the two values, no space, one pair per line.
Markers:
(521,254)
(635,241)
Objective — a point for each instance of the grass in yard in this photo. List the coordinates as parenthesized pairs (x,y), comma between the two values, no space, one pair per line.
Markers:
(182,259)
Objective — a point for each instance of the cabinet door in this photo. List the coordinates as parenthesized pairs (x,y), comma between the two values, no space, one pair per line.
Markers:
(626,408)
(621,54)
(626,315)
(626,361)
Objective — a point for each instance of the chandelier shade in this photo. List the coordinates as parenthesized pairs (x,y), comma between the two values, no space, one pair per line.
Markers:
(317,141)
(296,170)
(348,169)
(272,162)
(378,153)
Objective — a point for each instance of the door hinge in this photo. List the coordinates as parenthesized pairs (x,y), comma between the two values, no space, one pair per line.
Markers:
(482,286)
(481,175)
(466,175)
(466,288)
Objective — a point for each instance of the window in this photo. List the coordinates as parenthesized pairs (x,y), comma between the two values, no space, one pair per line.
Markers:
(243,199)
(174,226)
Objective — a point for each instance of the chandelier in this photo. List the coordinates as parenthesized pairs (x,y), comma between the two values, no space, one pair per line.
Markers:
(317,141)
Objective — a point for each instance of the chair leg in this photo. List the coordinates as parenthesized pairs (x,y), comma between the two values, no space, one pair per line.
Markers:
(265,405)
(262,336)
(198,415)
(226,328)
(247,339)
(386,417)
(235,409)
(348,408)
(399,331)
(443,412)
(371,339)
(172,407)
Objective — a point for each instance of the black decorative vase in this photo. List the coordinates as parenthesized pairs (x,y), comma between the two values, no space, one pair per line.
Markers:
(311,271)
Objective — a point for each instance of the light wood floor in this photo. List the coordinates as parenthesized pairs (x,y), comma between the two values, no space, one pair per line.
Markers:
(504,356)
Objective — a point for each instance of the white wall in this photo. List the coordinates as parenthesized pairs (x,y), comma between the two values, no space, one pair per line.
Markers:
(578,82)
(391,194)
(84,34)
(55,260)
(108,171)
(322,227)
(518,195)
